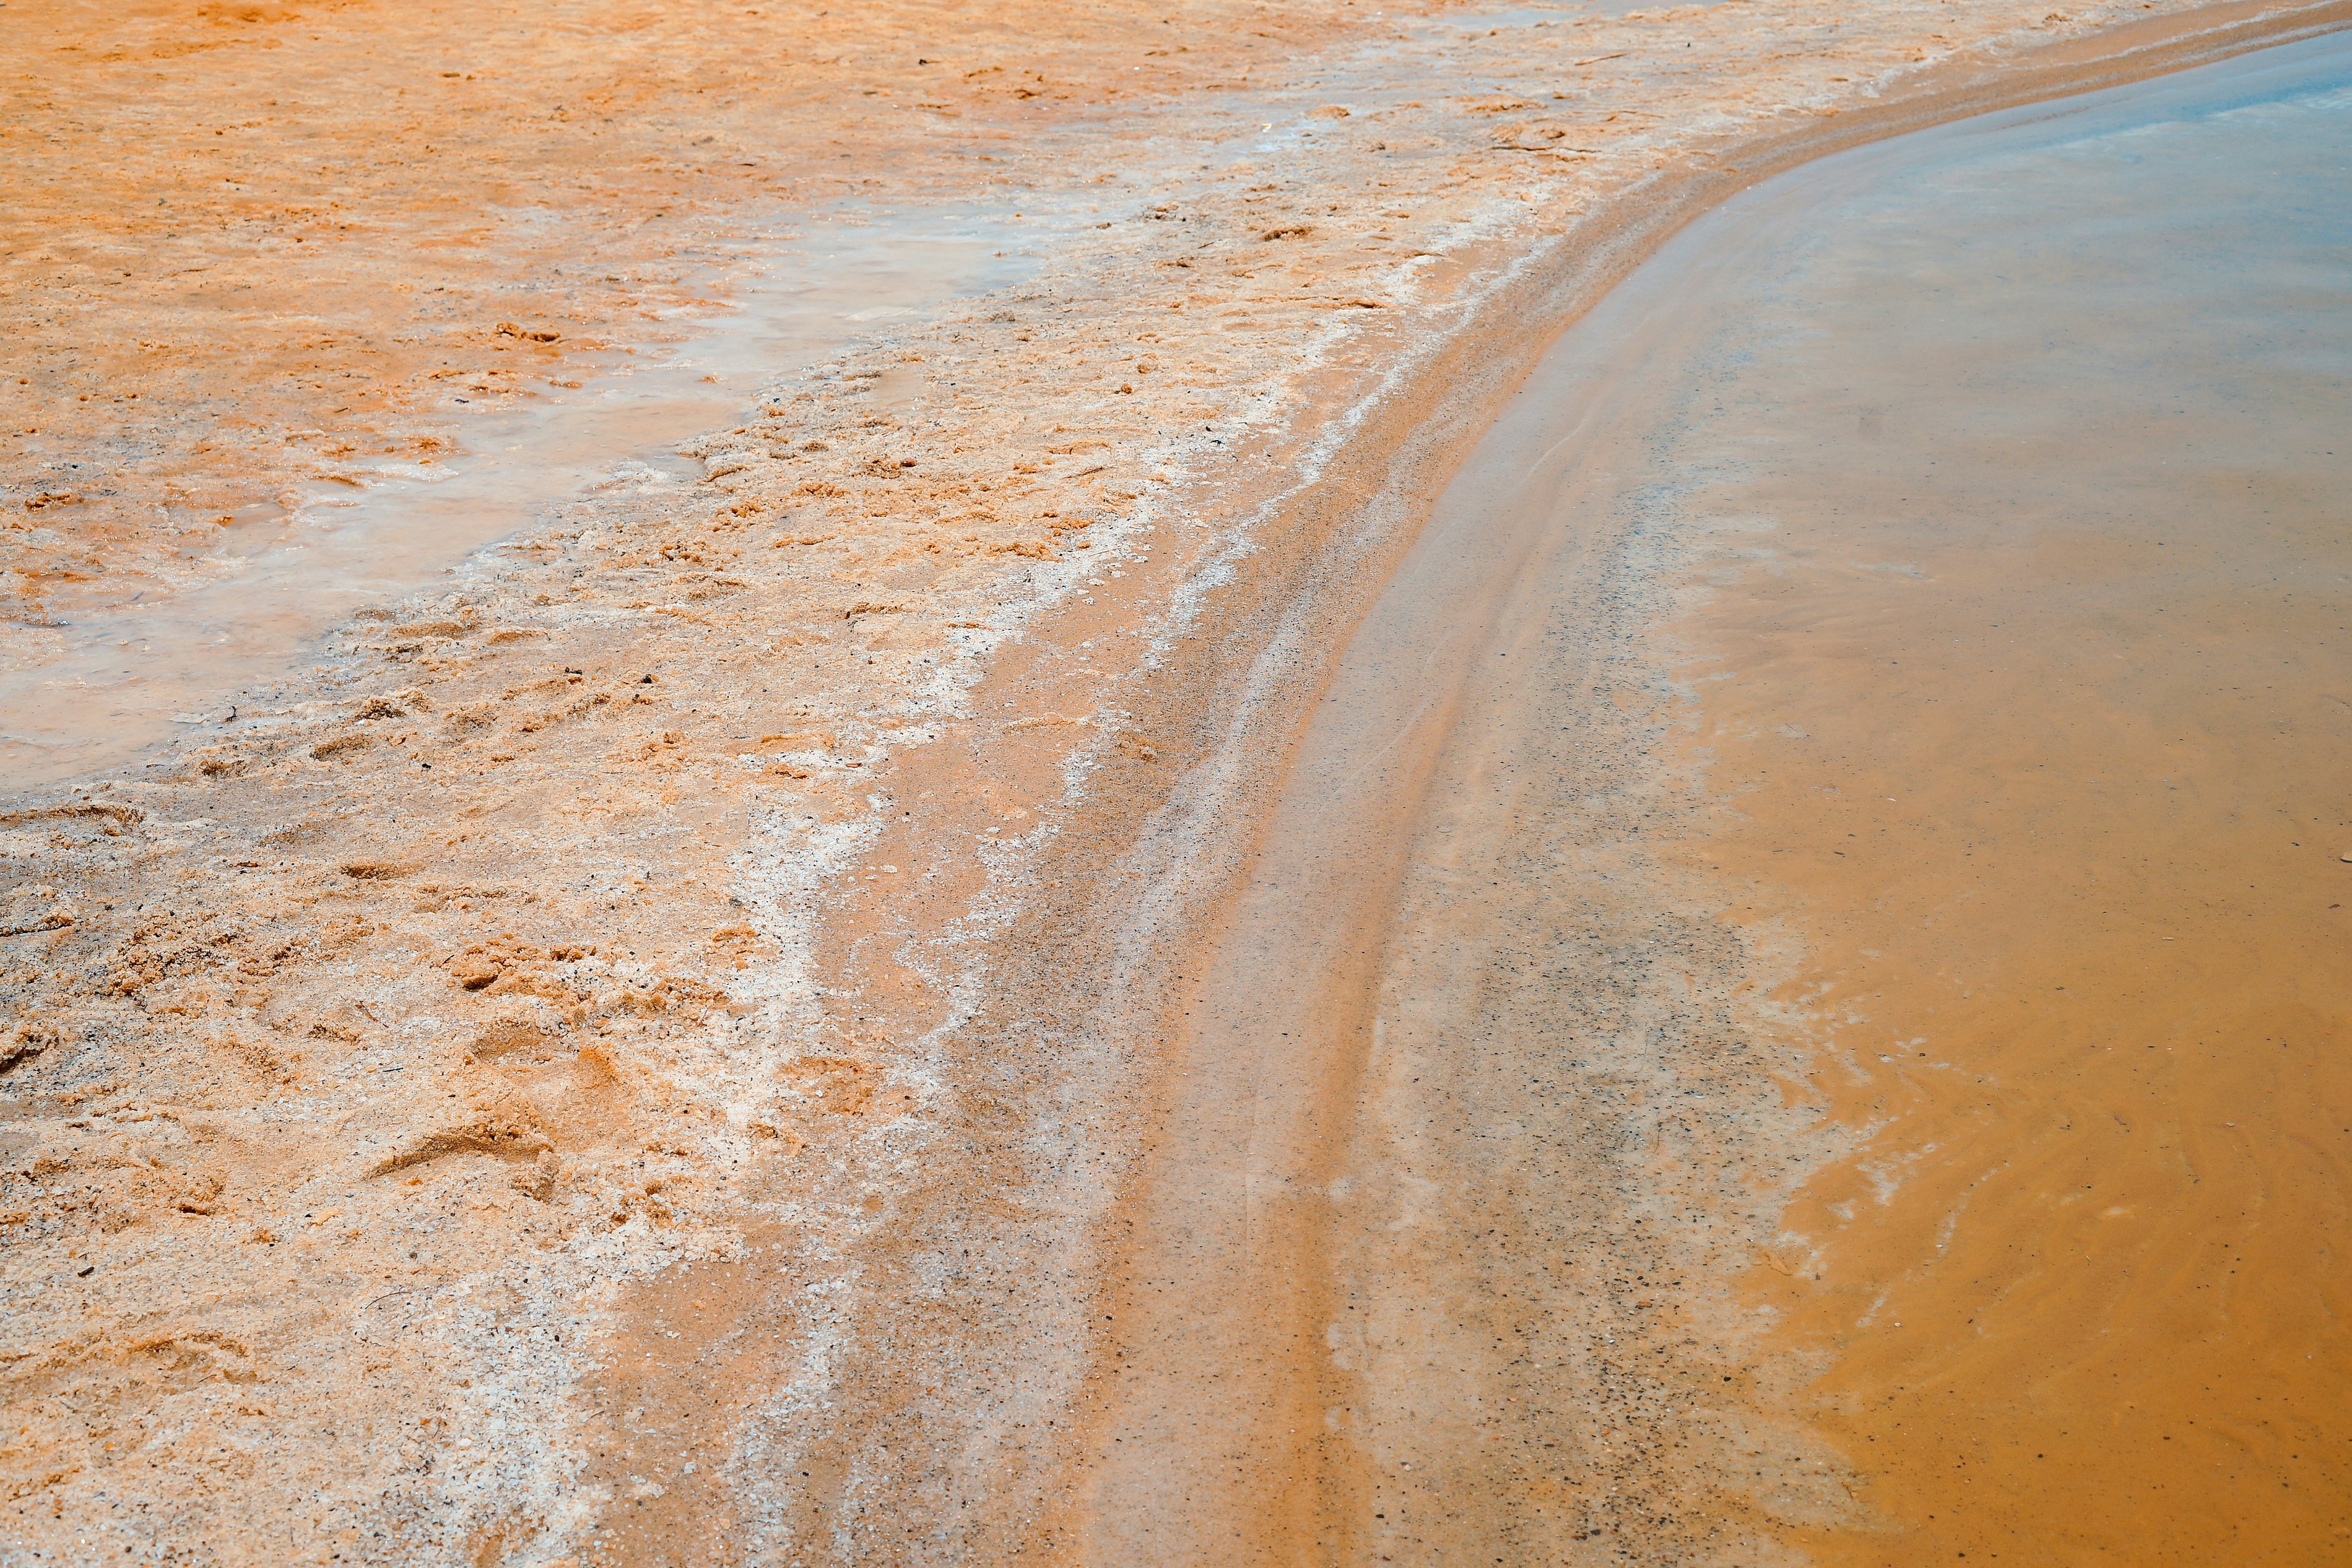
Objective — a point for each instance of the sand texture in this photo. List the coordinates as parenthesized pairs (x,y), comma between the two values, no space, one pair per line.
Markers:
(655,1048)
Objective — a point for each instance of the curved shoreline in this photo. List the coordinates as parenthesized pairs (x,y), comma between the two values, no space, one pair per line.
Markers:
(1296,1510)
(651,1040)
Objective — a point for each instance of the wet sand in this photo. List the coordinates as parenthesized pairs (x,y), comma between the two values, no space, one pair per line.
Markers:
(652,1049)
(1432,1250)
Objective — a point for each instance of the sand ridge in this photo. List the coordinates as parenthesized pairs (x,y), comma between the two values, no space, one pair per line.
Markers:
(513,1006)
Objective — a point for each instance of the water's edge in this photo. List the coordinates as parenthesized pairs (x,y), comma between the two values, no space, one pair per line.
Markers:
(1308,1499)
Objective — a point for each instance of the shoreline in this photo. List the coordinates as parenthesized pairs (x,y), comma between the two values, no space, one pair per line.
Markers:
(1296,1511)
(868,1074)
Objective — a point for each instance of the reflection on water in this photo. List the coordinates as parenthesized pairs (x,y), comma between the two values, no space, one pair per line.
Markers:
(2012,464)
(109,687)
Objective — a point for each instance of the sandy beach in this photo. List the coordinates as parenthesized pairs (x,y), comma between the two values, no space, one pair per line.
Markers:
(709,1027)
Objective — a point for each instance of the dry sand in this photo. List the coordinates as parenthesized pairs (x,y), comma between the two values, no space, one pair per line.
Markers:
(635,1055)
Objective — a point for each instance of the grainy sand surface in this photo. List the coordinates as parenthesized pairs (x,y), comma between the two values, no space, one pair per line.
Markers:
(652,1048)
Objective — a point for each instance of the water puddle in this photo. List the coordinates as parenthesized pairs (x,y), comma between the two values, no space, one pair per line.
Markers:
(113,683)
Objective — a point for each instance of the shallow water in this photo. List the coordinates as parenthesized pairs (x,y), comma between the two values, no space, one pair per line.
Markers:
(2013,478)
(1793,990)
(111,684)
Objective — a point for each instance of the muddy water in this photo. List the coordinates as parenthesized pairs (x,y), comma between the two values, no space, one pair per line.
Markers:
(1793,999)
(109,683)
(2023,664)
